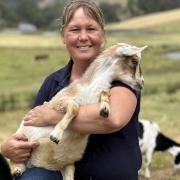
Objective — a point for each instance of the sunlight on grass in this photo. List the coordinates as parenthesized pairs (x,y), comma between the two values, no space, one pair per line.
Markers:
(10,40)
(146,21)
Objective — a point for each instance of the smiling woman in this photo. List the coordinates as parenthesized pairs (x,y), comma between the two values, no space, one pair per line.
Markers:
(83,37)
(83,33)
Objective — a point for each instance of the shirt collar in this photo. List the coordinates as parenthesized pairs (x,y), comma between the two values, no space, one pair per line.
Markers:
(62,76)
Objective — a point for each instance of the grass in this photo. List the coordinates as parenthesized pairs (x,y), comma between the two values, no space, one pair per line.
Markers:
(146,21)
(33,40)
(21,71)
(160,98)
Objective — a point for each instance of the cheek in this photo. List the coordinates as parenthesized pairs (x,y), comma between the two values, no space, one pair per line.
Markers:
(99,39)
(69,39)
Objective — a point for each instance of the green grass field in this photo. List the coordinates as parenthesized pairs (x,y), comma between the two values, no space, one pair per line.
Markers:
(21,76)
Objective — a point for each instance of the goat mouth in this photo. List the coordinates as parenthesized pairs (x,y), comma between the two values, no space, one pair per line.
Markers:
(139,85)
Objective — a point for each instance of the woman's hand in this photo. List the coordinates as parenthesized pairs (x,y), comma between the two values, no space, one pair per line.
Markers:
(18,148)
(42,115)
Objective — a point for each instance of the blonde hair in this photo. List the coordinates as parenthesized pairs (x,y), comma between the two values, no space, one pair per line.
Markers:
(90,9)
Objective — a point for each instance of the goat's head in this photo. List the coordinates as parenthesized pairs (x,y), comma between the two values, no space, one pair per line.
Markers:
(126,62)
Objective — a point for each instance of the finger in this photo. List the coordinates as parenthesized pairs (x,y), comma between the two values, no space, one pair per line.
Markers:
(22,153)
(35,145)
(30,117)
(27,116)
(25,155)
(20,160)
(27,123)
(31,122)
(28,145)
(20,136)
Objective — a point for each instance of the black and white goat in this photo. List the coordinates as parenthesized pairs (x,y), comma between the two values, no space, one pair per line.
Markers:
(151,139)
(119,62)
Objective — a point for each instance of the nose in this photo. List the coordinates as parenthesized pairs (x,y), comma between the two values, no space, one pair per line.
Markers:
(83,35)
(141,83)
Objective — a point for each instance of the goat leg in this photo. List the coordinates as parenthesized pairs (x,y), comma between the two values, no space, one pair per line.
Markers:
(68,172)
(104,104)
(17,169)
(71,112)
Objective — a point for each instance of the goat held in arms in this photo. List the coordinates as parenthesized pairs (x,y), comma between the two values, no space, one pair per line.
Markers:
(60,147)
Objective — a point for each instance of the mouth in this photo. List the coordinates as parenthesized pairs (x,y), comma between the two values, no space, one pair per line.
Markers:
(83,47)
(140,85)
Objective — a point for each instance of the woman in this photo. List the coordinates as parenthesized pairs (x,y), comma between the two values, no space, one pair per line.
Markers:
(113,150)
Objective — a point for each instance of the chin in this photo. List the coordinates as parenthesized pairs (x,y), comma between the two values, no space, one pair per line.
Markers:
(85,58)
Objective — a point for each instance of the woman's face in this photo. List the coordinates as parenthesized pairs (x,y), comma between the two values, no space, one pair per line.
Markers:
(83,37)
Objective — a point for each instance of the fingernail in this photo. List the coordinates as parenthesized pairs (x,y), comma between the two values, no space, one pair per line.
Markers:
(36,144)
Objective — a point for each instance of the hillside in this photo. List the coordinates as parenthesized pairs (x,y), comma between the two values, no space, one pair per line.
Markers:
(123,2)
(147,21)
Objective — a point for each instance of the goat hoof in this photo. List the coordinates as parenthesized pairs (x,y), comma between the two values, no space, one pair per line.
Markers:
(104,112)
(54,139)
(16,173)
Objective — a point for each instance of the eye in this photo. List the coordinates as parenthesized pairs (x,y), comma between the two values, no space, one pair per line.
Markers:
(91,29)
(134,62)
(74,29)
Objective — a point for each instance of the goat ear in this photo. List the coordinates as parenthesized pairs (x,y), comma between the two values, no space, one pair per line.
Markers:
(125,50)
(143,48)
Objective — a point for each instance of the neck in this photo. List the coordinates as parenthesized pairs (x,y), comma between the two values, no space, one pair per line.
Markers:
(78,70)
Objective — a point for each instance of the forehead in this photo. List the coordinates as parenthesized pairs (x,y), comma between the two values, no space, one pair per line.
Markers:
(82,16)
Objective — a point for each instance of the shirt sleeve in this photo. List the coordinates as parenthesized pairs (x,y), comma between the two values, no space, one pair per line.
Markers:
(121,84)
(43,93)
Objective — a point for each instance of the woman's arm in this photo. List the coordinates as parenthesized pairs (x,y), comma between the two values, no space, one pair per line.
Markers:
(122,106)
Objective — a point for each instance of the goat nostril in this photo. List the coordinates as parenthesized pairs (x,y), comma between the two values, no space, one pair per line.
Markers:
(140,84)
(143,82)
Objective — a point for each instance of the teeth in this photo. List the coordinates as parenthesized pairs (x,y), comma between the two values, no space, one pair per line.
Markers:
(87,46)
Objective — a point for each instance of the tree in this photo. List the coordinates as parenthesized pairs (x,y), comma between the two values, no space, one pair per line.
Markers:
(8,12)
(14,11)
(138,7)
(149,6)
(133,8)
(111,11)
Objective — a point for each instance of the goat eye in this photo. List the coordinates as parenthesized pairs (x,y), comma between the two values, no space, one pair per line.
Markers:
(134,62)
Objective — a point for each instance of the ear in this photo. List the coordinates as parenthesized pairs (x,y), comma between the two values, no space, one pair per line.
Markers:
(143,48)
(128,50)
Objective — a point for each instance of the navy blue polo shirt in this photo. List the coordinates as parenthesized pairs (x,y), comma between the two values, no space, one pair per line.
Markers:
(114,156)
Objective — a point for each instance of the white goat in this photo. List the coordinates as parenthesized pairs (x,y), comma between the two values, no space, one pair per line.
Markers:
(119,62)
(151,139)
